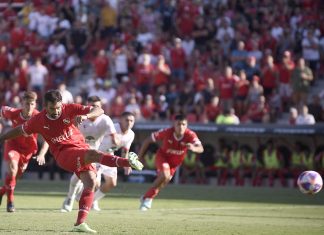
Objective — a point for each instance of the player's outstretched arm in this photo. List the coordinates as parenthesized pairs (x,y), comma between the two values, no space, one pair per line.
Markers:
(12,133)
(40,158)
(95,112)
(197,148)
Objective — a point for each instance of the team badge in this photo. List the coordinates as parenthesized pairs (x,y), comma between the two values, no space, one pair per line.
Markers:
(66,121)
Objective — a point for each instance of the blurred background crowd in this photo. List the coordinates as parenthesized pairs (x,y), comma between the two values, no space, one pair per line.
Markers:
(222,61)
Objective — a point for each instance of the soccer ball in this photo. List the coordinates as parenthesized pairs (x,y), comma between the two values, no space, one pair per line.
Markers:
(310,182)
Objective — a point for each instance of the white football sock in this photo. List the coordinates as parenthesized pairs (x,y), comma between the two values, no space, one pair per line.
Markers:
(75,184)
(98,195)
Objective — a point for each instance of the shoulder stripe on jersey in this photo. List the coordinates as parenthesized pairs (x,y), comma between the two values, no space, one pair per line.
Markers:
(153,137)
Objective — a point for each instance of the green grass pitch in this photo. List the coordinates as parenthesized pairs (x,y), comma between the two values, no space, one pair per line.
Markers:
(182,209)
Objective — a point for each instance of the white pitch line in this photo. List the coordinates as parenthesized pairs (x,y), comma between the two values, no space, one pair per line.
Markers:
(238,208)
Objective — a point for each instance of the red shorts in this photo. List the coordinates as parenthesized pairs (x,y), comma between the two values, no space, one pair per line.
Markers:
(72,160)
(13,155)
(162,163)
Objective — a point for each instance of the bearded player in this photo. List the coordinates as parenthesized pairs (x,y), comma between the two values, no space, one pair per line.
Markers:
(66,143)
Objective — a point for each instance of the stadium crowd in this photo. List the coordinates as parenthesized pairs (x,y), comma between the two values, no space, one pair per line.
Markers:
(227,62)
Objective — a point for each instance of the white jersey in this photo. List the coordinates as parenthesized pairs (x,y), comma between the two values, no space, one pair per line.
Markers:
(125,140)
(95,131)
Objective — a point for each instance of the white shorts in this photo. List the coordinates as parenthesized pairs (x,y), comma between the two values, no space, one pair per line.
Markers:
(107,171)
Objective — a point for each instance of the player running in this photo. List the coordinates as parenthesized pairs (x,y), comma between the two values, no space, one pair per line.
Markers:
(66,143)
(176,141)
(18,151)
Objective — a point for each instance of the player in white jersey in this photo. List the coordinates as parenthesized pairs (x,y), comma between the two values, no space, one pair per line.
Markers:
(125,136)
(94,131)
(122,139)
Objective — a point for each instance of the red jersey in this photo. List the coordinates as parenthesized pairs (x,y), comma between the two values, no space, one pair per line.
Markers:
(23,144)
(178,58)
(285,72)
(173,149)
(101,65)
(226,88)
(60,133)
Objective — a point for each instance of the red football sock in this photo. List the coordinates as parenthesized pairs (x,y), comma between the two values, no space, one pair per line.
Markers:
(85,204)
(113,161)
(3,190)
(10,182)
(152,193)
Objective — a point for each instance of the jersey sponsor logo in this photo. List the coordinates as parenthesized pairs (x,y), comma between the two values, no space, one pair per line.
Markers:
(170,141)
(175,152)
(64,136)
(66,121)
(46,127)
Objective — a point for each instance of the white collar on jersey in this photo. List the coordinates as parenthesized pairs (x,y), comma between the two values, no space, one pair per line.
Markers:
(177,139)
(22,117)
(50,118)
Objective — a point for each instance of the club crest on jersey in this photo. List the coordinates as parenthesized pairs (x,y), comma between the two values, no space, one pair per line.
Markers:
(66,121)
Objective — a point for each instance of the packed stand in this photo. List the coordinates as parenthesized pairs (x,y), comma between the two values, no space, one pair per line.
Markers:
(224,62)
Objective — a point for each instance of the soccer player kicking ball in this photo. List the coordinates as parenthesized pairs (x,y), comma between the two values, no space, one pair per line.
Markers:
(56,124)
(18,151)
(176,141)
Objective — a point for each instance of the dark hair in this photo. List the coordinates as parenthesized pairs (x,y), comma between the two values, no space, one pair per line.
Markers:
(126,114)
(93,99)
(53,96)
(30,95)
(180,117)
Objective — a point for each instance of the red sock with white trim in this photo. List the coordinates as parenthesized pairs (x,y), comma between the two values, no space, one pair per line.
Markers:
(113,161)
(85,204)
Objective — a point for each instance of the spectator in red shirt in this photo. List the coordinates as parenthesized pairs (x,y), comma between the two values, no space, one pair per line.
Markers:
(9,15)
(285,69)
(241,92)
(101,65)
(213,109)
(35,45)
(21,74)
(17,35)
(5,62)
(148,108)
(226,86)
(161,73)
(117,107)
(178,60)
(144,74)
(258,112)
(185,24)
(270,76)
